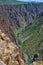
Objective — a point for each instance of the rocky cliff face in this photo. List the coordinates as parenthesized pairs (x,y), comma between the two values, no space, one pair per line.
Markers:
(21,15)
(5,27)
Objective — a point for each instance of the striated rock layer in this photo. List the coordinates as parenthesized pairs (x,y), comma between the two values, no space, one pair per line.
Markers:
(9,52)
(21,15)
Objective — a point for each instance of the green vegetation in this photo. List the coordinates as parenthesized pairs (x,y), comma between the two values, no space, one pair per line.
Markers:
(32,37)
(15,2)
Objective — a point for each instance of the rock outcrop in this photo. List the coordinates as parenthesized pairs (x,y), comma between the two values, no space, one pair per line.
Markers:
(5,27)
(9,52)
